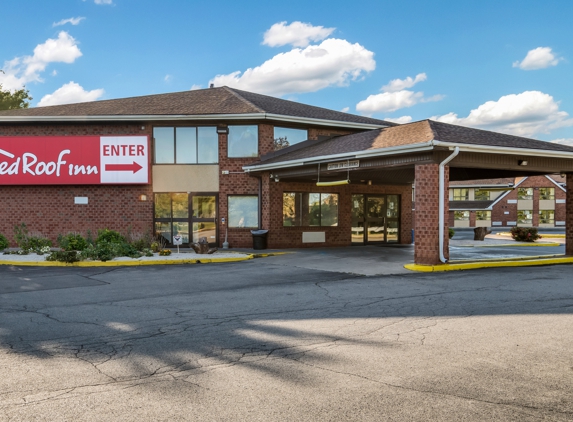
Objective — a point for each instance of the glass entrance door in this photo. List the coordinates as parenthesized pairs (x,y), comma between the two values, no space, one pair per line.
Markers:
(190,215)
(375,219)
(204,217)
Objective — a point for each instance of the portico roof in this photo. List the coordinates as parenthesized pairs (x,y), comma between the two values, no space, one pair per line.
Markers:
(483,154)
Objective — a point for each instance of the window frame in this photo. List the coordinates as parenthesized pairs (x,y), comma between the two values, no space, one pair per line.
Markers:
(287,128)
(521,220)
(463,213)
(547,220)
(482,191)
(547,197)
(197,154)
(320,213)
(524,197)
(229,197)
(230,127)
(457,197)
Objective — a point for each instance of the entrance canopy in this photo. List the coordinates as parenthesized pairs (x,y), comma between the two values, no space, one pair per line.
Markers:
(416,154)
(389,155)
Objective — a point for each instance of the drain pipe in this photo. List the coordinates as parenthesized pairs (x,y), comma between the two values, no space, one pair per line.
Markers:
(441,203)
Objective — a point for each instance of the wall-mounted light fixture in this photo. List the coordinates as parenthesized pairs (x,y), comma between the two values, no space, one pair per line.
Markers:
(563,174)
(277,179)
(369,182)
(223,130)
(522,162)
(142,127)
(143,197)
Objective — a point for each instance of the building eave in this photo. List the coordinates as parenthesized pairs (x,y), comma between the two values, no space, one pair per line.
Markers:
(190,117)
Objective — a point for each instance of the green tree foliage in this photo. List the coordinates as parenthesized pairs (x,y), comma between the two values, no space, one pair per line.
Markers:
(12,100)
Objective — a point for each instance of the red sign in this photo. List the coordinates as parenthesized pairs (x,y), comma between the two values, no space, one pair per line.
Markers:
(74,160)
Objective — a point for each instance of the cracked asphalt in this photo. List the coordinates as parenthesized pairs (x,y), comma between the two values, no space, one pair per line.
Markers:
(270,340)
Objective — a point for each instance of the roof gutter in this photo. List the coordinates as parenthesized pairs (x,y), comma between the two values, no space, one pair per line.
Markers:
(379,152)
(189,117)
(504,150)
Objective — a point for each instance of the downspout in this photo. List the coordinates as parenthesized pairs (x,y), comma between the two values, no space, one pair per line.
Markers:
(441,203)
(260,201)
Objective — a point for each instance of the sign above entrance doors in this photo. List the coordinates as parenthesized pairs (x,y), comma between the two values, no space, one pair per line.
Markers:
(74,160)
(344,165)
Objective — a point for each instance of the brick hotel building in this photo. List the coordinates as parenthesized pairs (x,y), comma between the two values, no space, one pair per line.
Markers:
(219,162)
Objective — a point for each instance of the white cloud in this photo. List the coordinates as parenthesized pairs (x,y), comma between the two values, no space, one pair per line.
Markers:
(522,114)
(563,141)
(22,70)
(400,120)
(332,62)
(538,58)
(394,96)
(400,84)
(298,34)
(168,78)
(345,109)
(70,93)
(195,86)
(73,21)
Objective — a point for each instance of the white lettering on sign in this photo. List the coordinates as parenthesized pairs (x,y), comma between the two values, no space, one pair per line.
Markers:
(344,165)
(124,159)
(31,165)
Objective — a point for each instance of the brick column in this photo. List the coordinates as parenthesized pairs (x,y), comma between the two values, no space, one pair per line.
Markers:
(569,216)
(426,249)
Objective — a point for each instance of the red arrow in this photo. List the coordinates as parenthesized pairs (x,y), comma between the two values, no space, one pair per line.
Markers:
(123,167)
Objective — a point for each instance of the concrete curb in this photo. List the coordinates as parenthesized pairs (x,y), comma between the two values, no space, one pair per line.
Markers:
(129,263)
(544,236)
(490,264)
(511,245)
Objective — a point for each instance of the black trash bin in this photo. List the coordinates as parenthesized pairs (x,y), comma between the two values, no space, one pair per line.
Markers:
(259,239)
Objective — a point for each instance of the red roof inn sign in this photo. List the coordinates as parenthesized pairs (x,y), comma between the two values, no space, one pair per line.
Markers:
(74,160)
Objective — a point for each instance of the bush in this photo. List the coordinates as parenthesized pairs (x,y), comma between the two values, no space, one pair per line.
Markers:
(3,242)
(451,232)
(35,242)
(525,234)
(109,236)
(72,242)
(165,252)
(64,256)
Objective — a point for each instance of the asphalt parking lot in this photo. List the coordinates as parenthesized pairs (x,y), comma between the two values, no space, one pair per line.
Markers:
(272,339)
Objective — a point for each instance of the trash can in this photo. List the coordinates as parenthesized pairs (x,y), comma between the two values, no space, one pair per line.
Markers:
(259,239)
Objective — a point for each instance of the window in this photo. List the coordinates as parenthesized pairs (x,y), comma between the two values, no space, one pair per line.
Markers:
(461,194)
(243,211)
(547,216)
(483,215)
(546,193)
(186,145)
(285,137)
(310,209)
(243,141)
(481,195)
(525,193)
(524,217)
(172,215)
(461,215)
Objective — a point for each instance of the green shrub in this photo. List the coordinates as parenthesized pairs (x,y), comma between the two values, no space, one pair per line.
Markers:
(525,234)
(451,232)
(3,242)
(110,236)
(72,242)
(64,256)
(30,242)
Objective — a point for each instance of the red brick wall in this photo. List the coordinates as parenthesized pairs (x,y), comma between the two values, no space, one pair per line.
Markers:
(291,237)
(531,182)
(427,228)
(237,182)
(50,210)
(569,218)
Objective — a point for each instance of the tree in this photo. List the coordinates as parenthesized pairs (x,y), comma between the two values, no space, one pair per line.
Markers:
(11,100)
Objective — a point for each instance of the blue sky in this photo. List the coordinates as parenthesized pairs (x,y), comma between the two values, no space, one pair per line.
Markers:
(498,65)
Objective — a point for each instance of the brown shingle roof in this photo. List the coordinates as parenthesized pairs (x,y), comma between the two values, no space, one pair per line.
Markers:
(223,100)
(415,133)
